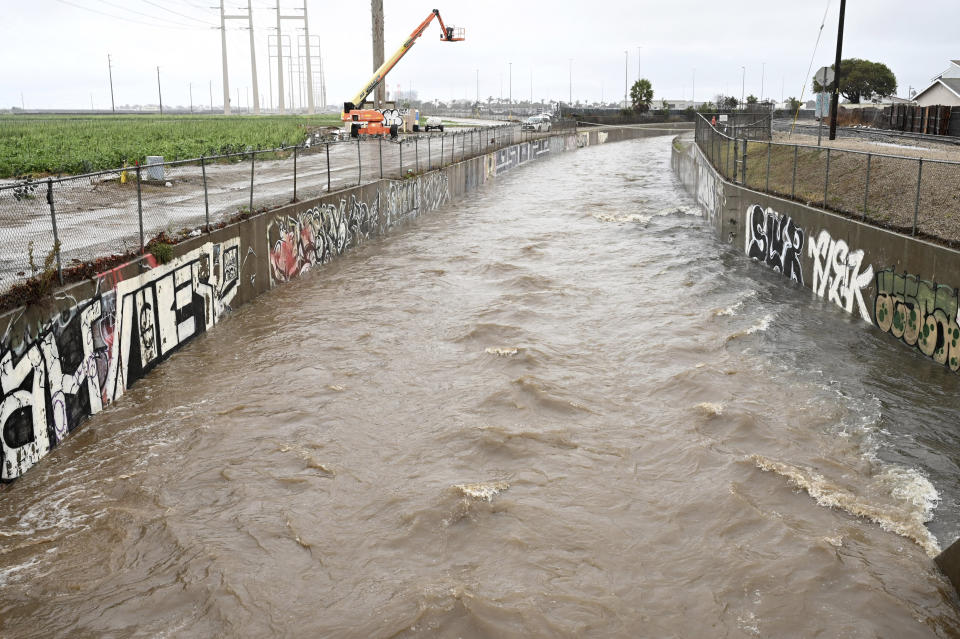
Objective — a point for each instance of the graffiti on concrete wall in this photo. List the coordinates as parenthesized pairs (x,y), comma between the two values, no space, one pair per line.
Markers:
(87,356)
(920,313)
(540,148)
(507,159)
(709,191)
(838,274)
(391,117)
(774,240)
(315,236)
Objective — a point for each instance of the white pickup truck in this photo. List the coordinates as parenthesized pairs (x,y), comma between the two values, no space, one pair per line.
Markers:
(539,123)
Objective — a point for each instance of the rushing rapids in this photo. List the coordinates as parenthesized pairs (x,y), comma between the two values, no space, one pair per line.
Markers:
(558,408)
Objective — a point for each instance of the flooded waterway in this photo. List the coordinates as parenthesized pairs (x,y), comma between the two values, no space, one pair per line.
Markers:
(558,408)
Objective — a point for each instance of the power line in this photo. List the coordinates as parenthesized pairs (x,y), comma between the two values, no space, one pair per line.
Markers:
(131,20)
(146,15)
(177,13)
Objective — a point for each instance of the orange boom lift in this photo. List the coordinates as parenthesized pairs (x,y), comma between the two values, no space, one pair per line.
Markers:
(370,121)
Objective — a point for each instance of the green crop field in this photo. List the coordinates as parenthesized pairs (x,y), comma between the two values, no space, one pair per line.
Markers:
(32,145)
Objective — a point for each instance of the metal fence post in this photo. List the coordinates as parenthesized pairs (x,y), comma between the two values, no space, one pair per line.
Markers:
(793,187)
(328,166)
(726,164)
(380,145)
(140,208)
(826,179)
(916,203)
(743,164)
(736,149)
(416,153)
(359,162)
(866,188)
(769,145)
(206,196)
(253,159)
(401,158)
(294,175)
(442,135)
(56,237)
(429,153)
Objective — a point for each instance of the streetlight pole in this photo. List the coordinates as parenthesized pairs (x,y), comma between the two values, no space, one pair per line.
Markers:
(510,89)
(693,91)
(159,93)
(763,74)
(743,84)
(626,62)
(570,97)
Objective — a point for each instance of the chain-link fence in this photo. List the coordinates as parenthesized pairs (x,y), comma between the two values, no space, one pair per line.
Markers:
(910,195)
(63,224)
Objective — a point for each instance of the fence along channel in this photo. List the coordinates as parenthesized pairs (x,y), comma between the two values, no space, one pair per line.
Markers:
(52,224)
(909,195)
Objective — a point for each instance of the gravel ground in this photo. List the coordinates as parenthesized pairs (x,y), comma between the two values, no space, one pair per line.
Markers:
(904,147)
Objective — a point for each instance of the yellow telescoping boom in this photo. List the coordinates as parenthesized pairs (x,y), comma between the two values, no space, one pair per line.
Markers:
(370,121)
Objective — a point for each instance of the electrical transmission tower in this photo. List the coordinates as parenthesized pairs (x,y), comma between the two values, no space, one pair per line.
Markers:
(253,57)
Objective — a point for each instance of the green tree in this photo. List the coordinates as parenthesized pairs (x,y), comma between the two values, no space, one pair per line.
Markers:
(794,103)
(752,99)
(863,79)
(707,107)
(664,108)
(641,95)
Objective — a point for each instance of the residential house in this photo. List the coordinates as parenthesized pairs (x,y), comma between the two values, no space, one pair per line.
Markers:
(944,89)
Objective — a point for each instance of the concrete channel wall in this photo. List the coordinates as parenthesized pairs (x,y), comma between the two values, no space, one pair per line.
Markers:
(65,359)
(903,286)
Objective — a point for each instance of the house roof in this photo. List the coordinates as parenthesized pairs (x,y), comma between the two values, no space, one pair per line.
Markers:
(953,84)
(956,62)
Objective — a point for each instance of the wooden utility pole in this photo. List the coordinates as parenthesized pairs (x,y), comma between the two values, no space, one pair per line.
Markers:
(836,74)
(113,107)
(376,14)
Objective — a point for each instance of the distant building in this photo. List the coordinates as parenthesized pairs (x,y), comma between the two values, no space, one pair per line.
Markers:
(944,89)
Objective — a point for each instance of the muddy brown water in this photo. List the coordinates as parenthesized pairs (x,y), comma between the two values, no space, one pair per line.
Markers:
(559,408)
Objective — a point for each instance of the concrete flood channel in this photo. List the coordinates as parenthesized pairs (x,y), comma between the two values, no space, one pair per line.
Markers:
(560,406)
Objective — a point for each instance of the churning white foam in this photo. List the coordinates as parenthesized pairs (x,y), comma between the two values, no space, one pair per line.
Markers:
(620,219)
(484,491)
(912,498)
(710,408)
(501,352)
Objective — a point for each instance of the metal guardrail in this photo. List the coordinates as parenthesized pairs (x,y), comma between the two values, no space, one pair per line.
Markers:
(59,223)
(910,195)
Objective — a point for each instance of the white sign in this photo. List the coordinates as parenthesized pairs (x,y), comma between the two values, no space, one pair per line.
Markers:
(824,76)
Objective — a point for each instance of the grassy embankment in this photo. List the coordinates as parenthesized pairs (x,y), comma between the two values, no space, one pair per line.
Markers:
(32,145)
(892,192)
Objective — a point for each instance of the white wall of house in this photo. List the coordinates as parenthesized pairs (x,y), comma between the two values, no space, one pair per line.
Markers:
(938,94)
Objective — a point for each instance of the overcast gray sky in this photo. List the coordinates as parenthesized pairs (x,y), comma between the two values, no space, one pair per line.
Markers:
(55,51)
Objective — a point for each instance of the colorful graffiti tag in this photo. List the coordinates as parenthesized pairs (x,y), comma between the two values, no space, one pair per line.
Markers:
(315,236)
(921,314)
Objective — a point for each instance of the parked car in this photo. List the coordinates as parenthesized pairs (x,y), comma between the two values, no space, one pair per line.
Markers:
(536,123)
